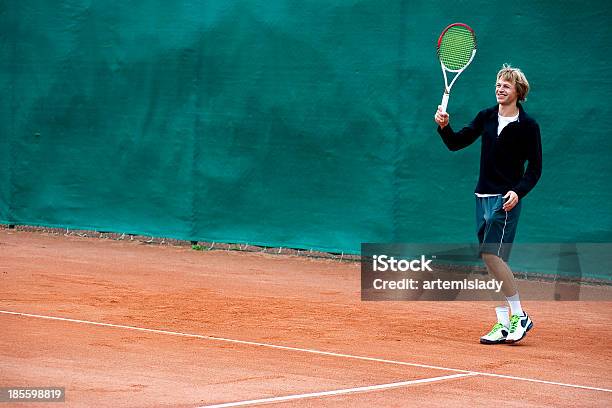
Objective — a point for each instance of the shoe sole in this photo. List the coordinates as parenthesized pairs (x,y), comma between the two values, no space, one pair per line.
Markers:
(489,342)
(523,336)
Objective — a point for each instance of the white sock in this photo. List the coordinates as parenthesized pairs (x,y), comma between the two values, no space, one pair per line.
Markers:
(515,304)
(502,315)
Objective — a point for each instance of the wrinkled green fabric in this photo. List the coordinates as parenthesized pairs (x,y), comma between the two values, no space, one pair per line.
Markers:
(303,124)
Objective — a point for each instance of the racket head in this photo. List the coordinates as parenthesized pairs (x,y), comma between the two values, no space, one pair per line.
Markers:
(456,46)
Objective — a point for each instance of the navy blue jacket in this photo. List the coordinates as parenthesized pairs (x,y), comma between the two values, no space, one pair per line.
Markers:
(503,157)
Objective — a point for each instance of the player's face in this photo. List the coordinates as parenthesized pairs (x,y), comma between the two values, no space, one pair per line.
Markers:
(505,92)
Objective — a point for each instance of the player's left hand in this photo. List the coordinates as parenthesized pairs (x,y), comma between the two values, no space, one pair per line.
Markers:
(511,199)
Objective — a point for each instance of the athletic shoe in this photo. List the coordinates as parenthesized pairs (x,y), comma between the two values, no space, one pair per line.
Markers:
(497,335)
(519,326)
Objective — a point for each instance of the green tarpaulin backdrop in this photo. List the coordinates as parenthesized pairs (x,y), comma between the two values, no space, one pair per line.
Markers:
(306,124)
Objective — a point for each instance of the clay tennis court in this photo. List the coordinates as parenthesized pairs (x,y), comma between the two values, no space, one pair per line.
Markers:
(125,324)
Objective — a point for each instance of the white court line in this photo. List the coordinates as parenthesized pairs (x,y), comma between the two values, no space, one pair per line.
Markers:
(336,392)
(303,350)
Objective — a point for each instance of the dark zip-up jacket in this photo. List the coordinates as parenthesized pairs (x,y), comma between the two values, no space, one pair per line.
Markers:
(503,157)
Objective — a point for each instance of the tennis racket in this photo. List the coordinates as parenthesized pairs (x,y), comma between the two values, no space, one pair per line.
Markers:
(456,50)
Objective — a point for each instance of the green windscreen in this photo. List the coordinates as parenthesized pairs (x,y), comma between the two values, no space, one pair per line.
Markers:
(303,124)
(456,47)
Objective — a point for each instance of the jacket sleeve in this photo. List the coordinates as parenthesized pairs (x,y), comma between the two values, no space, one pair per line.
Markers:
(465,137)
(534,164)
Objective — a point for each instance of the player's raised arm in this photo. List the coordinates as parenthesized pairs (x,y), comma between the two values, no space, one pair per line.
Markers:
(464,137)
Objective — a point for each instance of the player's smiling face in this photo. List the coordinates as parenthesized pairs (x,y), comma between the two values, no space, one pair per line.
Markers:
(505,92)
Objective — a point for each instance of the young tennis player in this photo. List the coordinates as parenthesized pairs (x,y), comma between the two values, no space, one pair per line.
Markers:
(510,138)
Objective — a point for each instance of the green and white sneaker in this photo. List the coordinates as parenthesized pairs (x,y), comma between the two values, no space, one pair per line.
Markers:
(519,326)
(497,335)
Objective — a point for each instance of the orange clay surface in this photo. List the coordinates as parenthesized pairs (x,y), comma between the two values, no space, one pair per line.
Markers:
(218,297)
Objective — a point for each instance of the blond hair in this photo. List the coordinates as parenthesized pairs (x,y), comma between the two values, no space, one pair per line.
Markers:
(517,77)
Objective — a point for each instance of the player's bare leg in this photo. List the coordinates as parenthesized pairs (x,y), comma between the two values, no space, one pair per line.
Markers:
(520,323)
(500,271)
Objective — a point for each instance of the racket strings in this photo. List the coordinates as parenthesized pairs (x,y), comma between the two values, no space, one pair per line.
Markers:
(456,47)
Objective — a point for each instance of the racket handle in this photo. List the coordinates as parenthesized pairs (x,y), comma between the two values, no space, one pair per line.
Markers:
(444,101)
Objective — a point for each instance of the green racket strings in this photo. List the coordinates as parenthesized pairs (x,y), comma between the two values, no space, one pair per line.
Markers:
(456,47)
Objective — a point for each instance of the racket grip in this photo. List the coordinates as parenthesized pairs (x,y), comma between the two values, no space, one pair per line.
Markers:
(444,101)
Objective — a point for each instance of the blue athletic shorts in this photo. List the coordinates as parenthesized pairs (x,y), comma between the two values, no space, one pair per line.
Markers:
(495,227)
